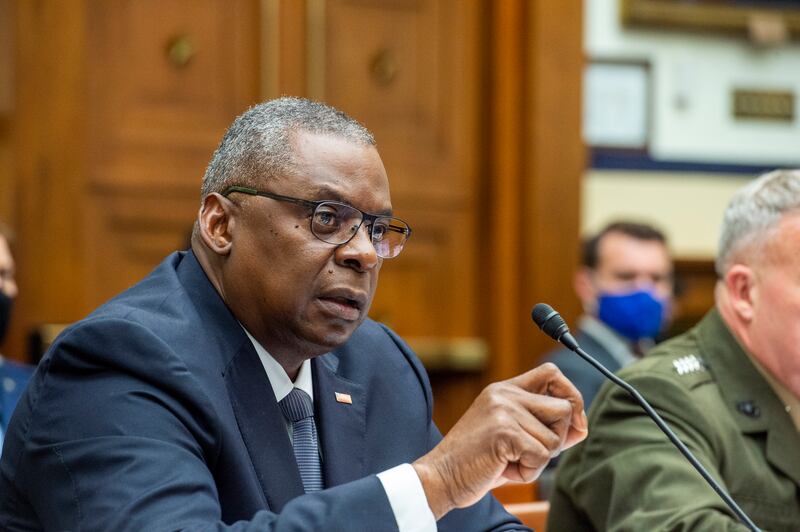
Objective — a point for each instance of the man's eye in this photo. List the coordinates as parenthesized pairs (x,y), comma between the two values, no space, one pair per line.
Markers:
(326,221)
(325,218)
(379,231)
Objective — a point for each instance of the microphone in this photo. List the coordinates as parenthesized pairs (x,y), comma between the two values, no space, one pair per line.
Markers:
(554,326)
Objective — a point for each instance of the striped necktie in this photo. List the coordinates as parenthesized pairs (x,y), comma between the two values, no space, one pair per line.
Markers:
(299,410)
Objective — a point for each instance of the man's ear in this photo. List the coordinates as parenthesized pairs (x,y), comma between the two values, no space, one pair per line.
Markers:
(216,223)
(740,283)
(584,288)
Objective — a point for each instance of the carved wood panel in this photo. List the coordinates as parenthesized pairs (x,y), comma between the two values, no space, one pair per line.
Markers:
(165,80)
(121,104)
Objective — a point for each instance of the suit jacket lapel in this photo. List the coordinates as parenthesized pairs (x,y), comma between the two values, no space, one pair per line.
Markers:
(341,426)
(258,416)
(263,428)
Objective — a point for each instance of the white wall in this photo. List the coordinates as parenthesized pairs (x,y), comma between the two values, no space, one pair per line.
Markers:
(693,77)
(687,206)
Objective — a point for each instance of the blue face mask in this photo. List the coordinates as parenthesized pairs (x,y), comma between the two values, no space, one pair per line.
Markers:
(634,315)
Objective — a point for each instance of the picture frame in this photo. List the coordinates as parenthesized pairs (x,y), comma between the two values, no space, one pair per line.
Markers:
(617,104)
(738,17)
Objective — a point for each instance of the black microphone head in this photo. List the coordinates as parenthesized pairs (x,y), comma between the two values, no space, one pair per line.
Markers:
(549,321)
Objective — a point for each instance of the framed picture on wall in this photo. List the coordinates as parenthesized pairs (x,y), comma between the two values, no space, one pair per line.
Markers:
(616,104)
(764,21)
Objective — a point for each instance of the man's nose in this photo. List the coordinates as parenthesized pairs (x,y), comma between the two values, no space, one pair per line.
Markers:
(359,252)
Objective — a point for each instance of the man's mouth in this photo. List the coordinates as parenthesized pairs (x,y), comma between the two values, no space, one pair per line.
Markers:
(344,303)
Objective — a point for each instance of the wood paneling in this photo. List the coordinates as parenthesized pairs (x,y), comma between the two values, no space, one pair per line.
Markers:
(536,162)
(554,161)
(6,59)
(112,138)
(50,161)
(155,122)
(503,237)
(696,279)
(531,514)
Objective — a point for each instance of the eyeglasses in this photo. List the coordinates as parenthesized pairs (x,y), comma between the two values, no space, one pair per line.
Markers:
(337,223)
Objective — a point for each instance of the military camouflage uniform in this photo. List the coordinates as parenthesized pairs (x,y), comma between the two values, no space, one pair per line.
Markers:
(628,476)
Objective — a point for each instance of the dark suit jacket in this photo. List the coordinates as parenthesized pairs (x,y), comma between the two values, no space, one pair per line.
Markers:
(585,377)
(13,379)
(155,413)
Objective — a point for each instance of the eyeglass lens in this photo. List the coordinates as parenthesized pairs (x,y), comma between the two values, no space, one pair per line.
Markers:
(336,223)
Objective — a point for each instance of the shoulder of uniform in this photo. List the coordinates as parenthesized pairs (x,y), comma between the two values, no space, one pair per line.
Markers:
(679,360)
(689,364)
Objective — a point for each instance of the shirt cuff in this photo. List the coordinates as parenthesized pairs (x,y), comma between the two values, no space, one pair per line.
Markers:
(407,499)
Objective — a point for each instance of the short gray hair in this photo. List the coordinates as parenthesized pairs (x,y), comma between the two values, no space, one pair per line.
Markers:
(258,144)
(753,211)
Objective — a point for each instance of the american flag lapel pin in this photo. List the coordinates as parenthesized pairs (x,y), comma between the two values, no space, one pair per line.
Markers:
(343,398)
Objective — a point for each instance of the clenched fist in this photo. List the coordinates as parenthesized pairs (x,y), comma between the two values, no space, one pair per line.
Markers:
(510,433)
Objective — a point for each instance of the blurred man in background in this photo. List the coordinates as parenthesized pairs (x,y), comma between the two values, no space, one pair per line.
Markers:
(729,388)
(625,284)
(13,376)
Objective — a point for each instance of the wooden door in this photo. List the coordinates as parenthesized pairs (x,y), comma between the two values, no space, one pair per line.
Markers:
(119,106)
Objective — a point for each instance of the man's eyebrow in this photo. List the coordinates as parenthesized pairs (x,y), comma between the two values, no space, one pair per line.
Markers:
(323,192)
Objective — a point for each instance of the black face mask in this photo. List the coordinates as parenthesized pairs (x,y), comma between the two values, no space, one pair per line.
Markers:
(6,304)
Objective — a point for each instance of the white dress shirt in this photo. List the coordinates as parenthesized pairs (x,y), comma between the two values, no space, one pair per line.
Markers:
(401,483)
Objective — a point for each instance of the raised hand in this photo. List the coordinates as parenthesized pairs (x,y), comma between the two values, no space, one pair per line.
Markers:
(509,433)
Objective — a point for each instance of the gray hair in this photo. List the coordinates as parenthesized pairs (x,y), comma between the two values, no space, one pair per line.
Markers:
(258,143)
(753,211)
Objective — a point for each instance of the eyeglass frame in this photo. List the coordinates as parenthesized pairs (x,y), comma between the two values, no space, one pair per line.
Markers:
(314,205)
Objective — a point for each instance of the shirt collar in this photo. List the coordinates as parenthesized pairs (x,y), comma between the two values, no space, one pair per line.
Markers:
(278,379)
(791,403)
(612,342)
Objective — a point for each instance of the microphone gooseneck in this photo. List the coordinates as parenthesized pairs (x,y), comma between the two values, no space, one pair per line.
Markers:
(553,325)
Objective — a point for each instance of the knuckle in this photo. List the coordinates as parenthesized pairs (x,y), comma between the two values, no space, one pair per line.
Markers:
(550,369)
(494,389)
(534,458)
(494,397)
(505,431)
(563,407)
(551,441)
(510,446)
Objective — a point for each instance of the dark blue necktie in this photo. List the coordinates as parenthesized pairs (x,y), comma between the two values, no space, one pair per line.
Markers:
(299,410)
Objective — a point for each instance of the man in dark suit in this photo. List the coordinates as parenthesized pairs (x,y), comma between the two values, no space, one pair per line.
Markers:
(13,379)
(13,376)
(625,284)
(240,385)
